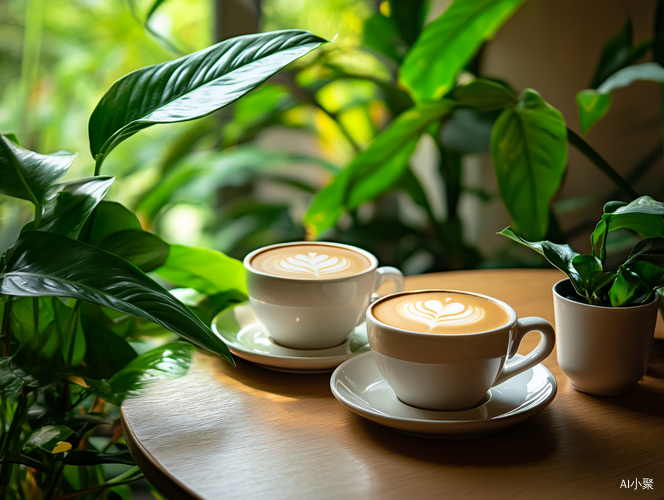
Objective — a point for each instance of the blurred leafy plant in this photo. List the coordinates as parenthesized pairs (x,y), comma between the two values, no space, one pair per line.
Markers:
(77,304)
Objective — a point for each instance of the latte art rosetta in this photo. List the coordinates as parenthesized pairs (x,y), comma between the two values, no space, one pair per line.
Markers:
(435,313)
(314,264)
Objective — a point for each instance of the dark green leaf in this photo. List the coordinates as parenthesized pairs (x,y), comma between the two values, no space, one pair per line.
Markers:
(207,271)
(409,16)
(27,175)
(485,95)
(643,215)
(75,201)
(162,363)
(145,250)
(381,34)
(594,104)
(636,284)
(374,170)
(91,457)
(650,250)
(47,438)
(106,353)
(109,217)
(48,264)
(529,153)
(615,54)
(10,384)
(13,457)
(467,131)
(448,43)
(192,86)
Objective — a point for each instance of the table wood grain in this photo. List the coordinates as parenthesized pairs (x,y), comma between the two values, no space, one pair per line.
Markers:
(247,432)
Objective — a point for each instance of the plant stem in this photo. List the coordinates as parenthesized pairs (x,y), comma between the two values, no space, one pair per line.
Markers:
(10,439)
(72,334)
(586,150)
(7,327)
(54,481)
(99,159)
(124,478)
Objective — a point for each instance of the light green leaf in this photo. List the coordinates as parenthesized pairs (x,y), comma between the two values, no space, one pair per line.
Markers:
(594,104)
(375,170)
(48,264)
(449,42)
(529,153)
(192,86)
(27,175)
(207,271)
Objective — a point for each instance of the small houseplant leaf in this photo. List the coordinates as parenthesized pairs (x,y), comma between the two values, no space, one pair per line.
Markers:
(449,42)
(594,104)
(529,153)
(74,202)
(650,250)
(635,284)
(207,271)
(48,264)
(192,86)
(28,175)
(375,170)
(145,250)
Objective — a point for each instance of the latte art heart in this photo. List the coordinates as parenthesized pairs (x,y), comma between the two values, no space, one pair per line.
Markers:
(435,313)
(314,264)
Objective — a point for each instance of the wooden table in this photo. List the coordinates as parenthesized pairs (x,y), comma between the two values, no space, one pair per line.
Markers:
(247,432)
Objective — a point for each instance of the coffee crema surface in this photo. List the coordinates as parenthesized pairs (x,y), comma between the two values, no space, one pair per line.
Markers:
(441,312)
(310,262)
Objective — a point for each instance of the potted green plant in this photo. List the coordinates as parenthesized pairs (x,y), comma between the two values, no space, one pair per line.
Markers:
(605,318)
(78,313)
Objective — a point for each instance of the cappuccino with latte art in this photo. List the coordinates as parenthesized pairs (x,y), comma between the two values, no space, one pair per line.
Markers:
(310,261)
(441,312)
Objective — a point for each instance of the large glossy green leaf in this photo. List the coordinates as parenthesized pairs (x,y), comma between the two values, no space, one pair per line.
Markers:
(207,271)
(47,264)
(448,43)
(594,104)
(375,170)
(74,202)
(161,363)
(643,215)
(636,284)
(192,86)
(28,175)
(145,250)
(529,153)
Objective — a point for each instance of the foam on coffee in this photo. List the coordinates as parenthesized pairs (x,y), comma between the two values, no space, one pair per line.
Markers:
(441,312)
(310,261)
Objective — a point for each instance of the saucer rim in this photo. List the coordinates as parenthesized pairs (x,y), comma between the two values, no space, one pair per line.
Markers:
(306,362)
(443,427)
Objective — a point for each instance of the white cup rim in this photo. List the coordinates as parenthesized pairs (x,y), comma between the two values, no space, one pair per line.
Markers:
(371,257)
(510,311)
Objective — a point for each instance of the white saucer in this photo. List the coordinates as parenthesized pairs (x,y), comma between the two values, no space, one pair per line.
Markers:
(359,386)
(248,339)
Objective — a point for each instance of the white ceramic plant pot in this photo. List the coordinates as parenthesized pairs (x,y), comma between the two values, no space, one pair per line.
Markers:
(603,350)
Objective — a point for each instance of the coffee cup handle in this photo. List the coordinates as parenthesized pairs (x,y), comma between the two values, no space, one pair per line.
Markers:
(388,273)
(534,357)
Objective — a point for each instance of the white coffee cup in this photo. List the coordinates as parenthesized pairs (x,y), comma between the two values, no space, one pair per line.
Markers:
(449,372)
(314,312)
